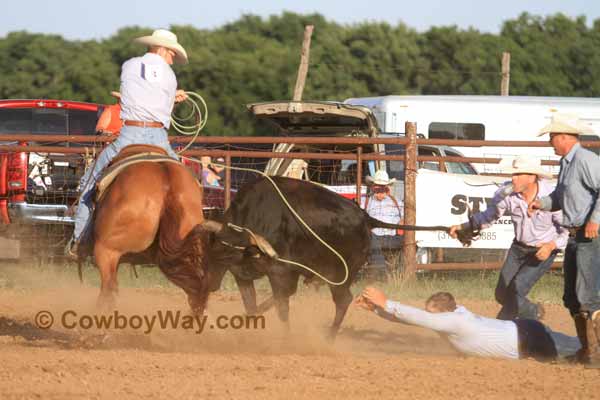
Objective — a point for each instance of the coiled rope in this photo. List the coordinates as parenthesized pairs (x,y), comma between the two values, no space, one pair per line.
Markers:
(196,112)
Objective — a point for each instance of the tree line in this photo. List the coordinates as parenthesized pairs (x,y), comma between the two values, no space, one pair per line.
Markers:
(256,59)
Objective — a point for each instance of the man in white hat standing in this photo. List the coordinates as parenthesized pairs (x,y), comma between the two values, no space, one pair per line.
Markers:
(577,195)
(382,204)
(536,242)
(148,93)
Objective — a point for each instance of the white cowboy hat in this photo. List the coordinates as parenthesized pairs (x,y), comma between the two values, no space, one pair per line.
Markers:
(380,178)
(165,38)
(565,123)
(524,165)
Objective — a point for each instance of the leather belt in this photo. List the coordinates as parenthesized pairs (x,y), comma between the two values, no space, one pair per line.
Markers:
(143,124)
(524,246)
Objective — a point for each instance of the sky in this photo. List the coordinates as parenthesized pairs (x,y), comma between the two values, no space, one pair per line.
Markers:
(98,19)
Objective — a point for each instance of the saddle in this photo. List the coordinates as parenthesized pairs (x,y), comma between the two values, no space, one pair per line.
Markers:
(132,154)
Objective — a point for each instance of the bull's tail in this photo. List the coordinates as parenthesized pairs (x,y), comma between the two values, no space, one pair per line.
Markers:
(375,223)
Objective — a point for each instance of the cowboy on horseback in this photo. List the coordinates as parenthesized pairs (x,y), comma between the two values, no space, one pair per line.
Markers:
(148,94)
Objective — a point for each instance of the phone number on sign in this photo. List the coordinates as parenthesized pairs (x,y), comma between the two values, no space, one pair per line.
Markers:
(482,236)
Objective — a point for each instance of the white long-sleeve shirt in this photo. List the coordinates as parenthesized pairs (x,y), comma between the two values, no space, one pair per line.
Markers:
(148,87)
(469,333)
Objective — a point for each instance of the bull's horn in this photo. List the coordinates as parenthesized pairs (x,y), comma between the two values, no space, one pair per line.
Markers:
(263,245)
(211,226)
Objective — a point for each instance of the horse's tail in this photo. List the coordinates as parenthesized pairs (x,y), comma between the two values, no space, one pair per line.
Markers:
(183,263)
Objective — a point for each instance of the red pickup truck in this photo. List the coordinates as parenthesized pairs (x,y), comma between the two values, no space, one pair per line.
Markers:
(36,189)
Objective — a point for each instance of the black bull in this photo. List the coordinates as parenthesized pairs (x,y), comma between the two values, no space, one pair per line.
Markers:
(257,206)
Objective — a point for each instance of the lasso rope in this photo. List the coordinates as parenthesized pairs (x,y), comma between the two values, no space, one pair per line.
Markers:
(299,218)
(194,129)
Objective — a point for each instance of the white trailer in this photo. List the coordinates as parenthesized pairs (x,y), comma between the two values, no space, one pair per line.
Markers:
(481,118)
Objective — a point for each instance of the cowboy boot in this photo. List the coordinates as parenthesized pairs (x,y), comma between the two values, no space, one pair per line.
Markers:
(581,356)
(593,337)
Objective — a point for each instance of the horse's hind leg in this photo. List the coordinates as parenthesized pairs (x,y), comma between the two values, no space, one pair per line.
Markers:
(107,261)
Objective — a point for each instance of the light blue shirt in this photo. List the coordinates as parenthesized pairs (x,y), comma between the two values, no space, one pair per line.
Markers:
(148,86)
(576,193)
(542,227)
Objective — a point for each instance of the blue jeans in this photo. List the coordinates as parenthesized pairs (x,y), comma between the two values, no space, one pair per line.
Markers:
(582,274)
(382,244)
(521,270)
(565,345)
(129,135)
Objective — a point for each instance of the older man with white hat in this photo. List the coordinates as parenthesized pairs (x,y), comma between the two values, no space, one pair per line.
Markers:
(147,95)
(537,239)
(382,204)
(577,195)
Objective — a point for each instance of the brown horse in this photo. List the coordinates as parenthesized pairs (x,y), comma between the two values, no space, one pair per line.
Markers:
(153,212)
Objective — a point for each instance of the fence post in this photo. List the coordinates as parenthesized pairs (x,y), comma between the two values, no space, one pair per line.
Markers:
(227,180)
(409,250)
(358,174)
(303,67)
(504,86)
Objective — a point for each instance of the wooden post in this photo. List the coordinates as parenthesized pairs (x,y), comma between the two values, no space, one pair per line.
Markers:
(409,250)
(227,180)
(303,68)
(358,174)
(505,74)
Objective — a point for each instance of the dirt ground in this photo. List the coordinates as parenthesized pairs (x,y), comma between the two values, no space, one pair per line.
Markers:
(372,358)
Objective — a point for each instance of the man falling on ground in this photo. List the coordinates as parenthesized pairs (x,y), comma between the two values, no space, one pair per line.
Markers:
(472,334)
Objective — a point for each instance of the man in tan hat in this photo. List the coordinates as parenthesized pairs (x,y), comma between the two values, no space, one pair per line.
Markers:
(577,195)
(536,242)
(147,95)
(382,204)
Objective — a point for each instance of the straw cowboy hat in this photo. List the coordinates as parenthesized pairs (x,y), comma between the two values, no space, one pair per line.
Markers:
(524,165)
(380,178)
(165,38)
(565,123)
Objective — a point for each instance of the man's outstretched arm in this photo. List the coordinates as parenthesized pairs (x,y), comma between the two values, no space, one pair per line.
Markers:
(447,322)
